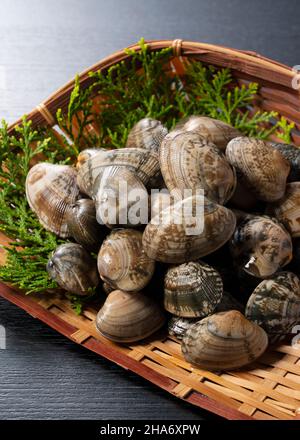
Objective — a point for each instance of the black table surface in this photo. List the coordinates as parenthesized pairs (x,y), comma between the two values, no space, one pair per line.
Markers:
(42,45)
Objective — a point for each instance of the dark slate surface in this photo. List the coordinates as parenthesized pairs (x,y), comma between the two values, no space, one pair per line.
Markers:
(42,45)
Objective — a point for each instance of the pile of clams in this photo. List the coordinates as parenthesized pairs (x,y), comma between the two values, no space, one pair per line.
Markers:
(197,228)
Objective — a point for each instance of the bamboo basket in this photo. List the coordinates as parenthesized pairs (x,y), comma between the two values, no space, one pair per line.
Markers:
(268,389)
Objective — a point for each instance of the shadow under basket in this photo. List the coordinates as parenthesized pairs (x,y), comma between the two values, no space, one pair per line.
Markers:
(268,389)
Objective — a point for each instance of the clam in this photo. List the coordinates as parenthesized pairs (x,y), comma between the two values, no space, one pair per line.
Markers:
(141,162)
(86,154)
(129,317)
(261,246)
(122,261)
(260,167)
(83,226)
(74,270)
(287,209)
(147,133)
(188,230)
(211,129)
(292,155)
(50,191)
(177,326)
(192,289)
(84,163)
(224,341)
(121,199)
(275,305)
(187,161)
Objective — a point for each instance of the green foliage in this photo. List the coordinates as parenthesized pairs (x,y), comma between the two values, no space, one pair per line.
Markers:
(284,130)
(27,254)
(213,93)
(127,92)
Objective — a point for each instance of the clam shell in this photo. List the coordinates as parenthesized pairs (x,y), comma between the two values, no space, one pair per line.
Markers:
(176,236)
(147,133)
(83,226)
(187,161)
(74,270)
(122,261)
(143,163)
(121,198)
(275,305)
(50,191)
(292,155)
(224,341)
(129,317)
(84,167)
(177,326)
(213,130)
(287,209)
(260,167)
(261,246)
(192,289)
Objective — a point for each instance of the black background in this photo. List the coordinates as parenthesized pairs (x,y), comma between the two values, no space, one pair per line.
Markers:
(42,45)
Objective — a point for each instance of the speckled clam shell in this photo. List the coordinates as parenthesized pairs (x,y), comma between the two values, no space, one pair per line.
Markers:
(147,133)
(121,198)
(174,237)
(50,191)
(287,209)
(275,305)
(292,155)
(85,160)
(260,167)
(83,226)
(224,341)
(74,270)
(261,246)
(192,289)
(187,161)
(177,326)
(86,154)
(211,129)
(129,317)
(141,162)
(122,261)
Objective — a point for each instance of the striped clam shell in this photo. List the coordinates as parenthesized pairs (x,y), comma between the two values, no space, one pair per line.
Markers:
(261,246)
(260,167)
(275,305)
(176,236)
(177,326)
(292,155)
(188,161)
(213,130)
(143,163)
(192,289)
(122,261)
(74,270)
(223,341)
(287,209)
(129,317)
(83,226)
(50,191)
(147,133)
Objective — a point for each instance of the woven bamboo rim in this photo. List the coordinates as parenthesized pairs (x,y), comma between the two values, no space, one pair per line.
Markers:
(268,389)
